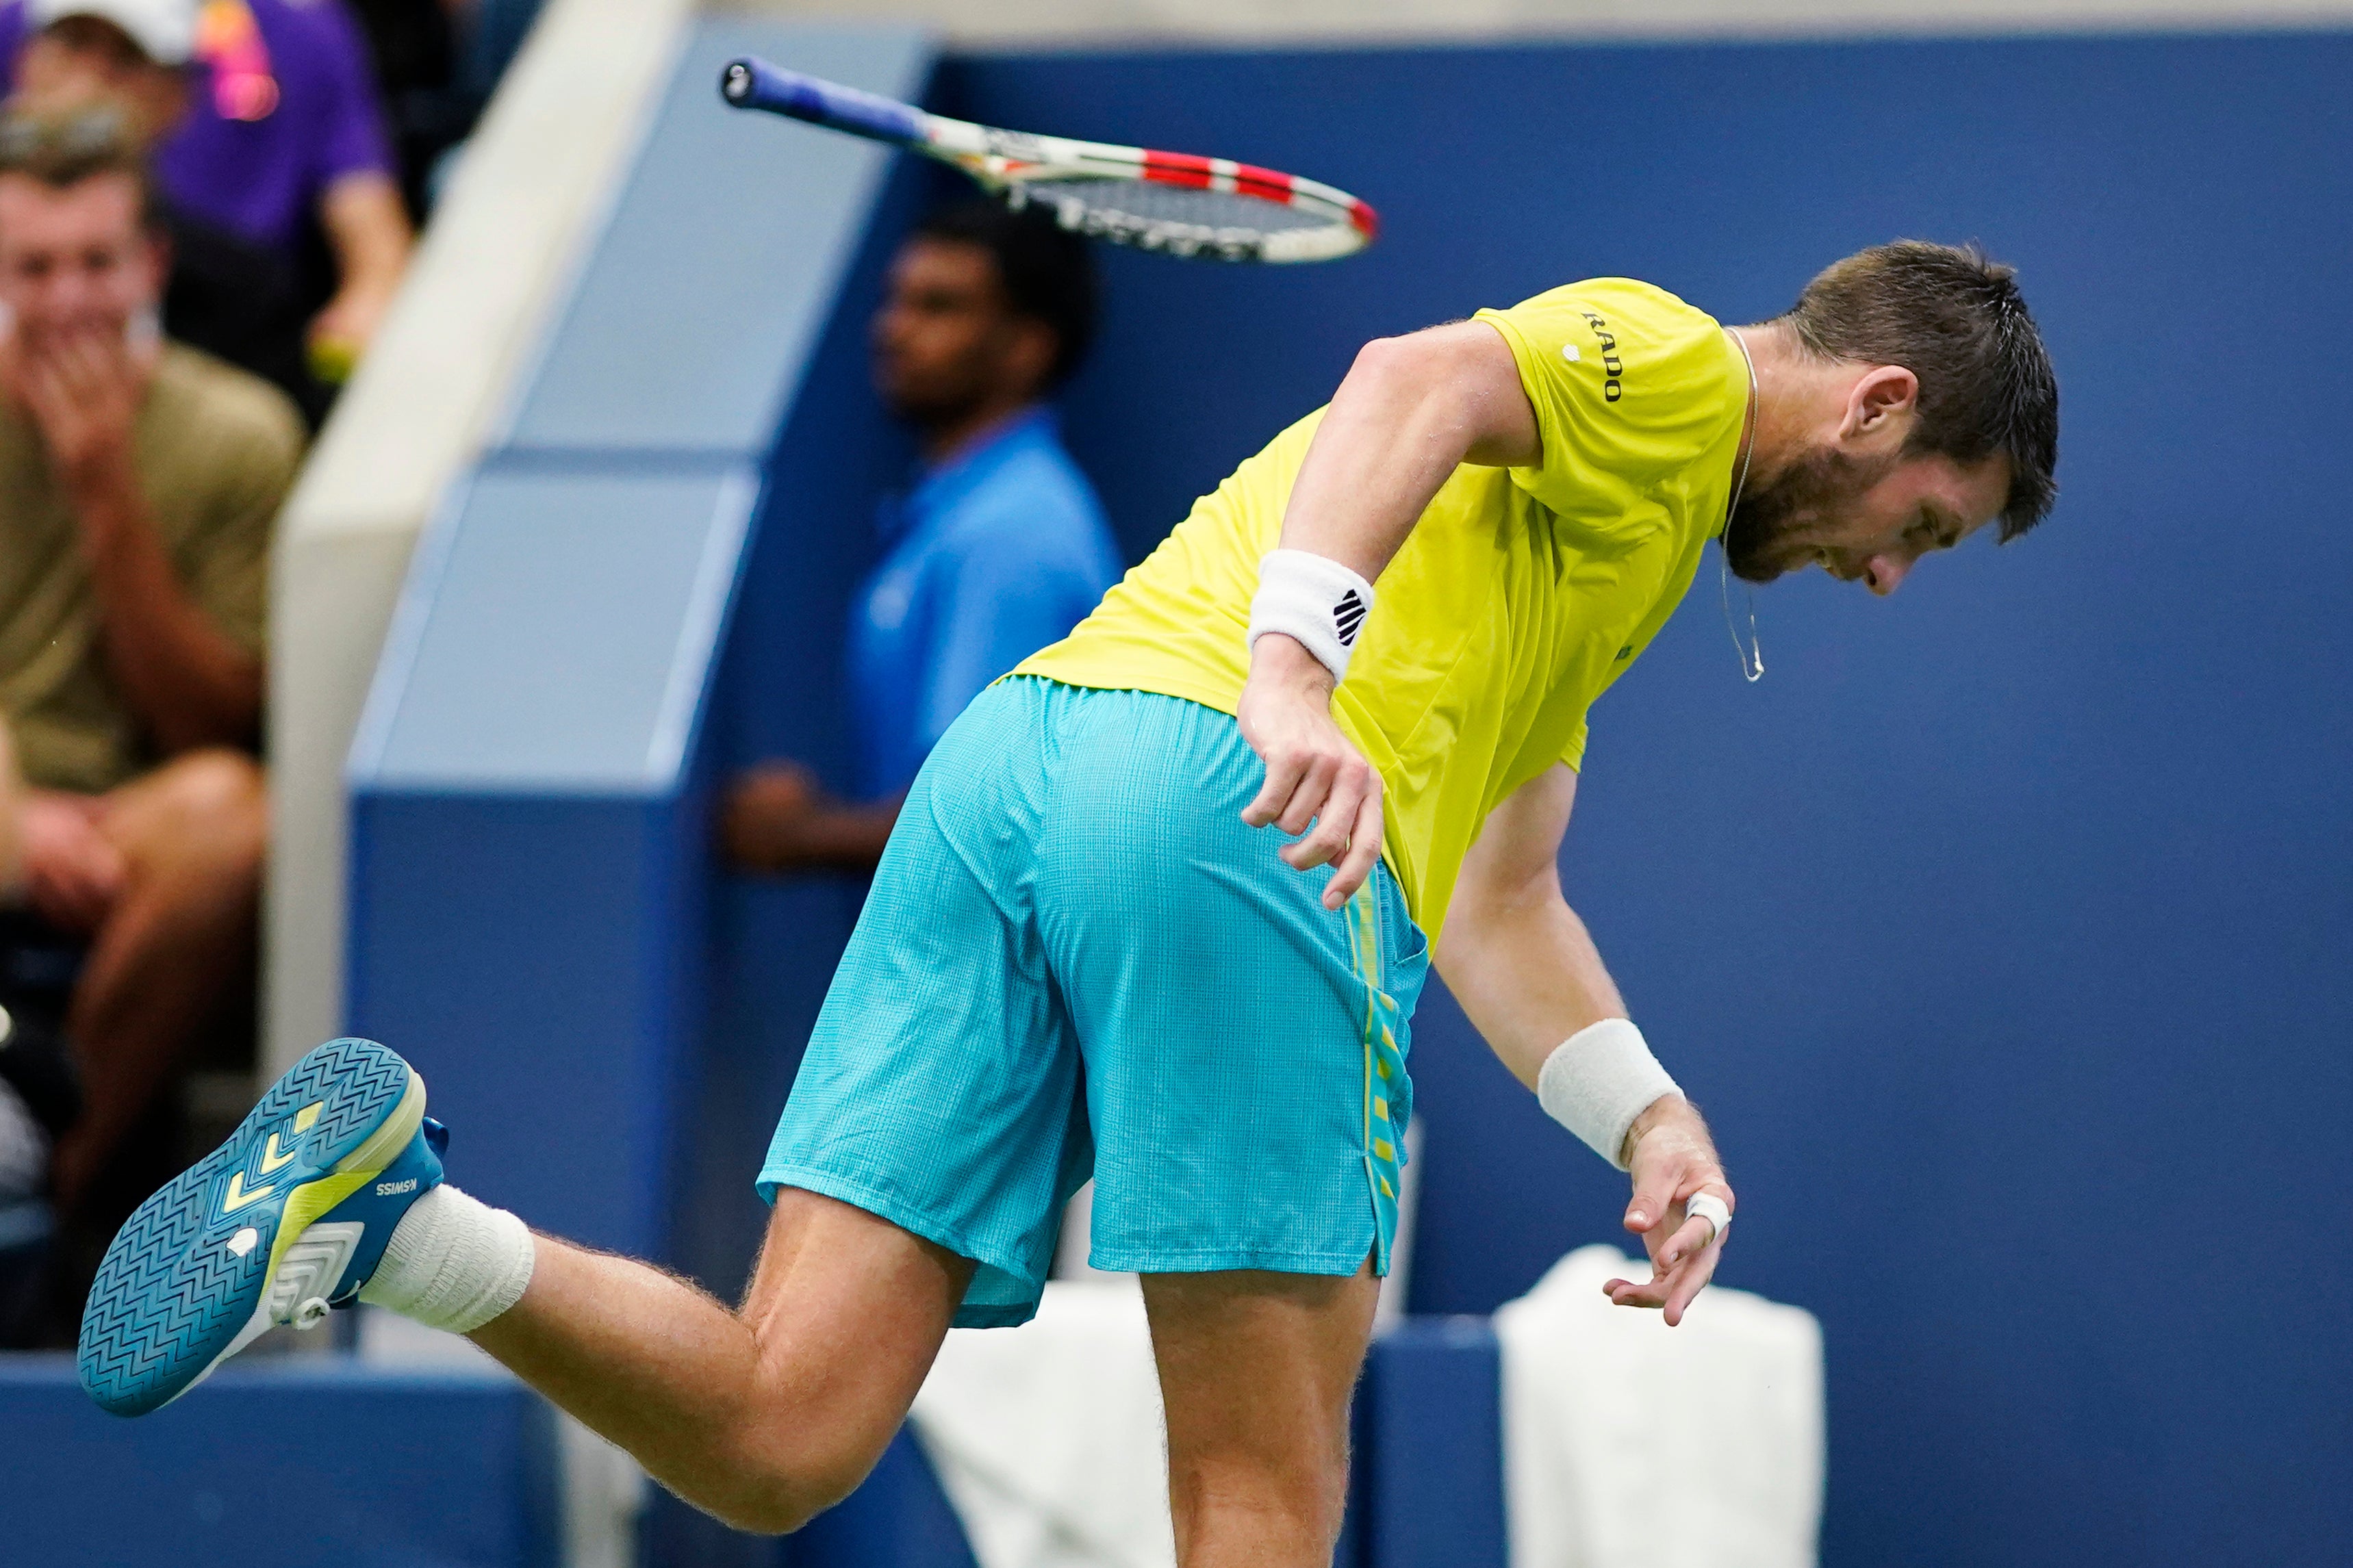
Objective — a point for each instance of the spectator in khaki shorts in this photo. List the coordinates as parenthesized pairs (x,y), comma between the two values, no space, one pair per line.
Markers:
(138,483)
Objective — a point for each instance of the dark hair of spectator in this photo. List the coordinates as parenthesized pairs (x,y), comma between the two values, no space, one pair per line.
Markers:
(62,153)
(1954,319)
(97,36)
(1047,272)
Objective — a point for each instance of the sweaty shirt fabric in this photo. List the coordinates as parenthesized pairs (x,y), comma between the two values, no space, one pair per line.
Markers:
(1519,597)
(217,450)
(996,553)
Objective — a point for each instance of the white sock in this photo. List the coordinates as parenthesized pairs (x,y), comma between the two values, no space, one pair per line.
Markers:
(454,1262)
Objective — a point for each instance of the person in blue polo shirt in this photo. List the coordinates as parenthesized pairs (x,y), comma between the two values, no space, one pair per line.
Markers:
(998,550)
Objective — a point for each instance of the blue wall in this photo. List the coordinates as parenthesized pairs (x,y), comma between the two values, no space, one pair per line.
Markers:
(2001,928)
(370,1467)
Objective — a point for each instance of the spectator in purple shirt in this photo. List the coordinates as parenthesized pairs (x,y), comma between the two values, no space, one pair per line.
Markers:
(265,119)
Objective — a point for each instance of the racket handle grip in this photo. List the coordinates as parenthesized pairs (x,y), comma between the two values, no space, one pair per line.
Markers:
(751,83)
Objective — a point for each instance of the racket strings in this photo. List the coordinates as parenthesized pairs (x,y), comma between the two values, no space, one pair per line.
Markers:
(1155,203)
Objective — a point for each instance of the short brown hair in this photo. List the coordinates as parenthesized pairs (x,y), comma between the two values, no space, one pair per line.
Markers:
(110,41)
(61,153)
(1954,318)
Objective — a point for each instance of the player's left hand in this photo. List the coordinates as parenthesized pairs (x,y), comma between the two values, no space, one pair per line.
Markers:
(1674,1159)
(1317,784)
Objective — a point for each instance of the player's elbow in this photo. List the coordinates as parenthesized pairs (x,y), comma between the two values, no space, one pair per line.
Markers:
(1499,891)
(1412,360)
(1441,353)
(1455,382)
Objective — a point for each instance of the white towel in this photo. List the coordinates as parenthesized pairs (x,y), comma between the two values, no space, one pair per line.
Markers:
(1628,1443)
(1049,1438)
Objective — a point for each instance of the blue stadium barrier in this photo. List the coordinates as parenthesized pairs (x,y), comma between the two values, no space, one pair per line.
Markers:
(1429,1483)
(290,1460)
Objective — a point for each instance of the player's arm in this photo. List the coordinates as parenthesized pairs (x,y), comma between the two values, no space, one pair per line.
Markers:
(1411,410)
(1529,978)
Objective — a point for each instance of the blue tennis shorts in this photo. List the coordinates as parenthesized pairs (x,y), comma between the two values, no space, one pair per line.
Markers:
(1078,961)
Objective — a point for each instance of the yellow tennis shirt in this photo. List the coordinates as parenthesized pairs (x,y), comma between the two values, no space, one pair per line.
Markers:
(1519,597)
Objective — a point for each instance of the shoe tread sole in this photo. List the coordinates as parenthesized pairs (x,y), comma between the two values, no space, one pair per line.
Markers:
(171,1294)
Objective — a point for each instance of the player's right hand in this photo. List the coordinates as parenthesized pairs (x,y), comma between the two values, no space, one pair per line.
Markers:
(1673,1158)
(1316,782)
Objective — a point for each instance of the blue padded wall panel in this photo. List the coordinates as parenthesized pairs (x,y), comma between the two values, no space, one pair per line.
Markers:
(1429,1463)
(291,1459)
(715,277)
(523,954)
(558,632)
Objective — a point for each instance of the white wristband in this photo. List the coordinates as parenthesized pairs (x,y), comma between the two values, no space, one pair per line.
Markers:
(1599,1081)
(1312,598)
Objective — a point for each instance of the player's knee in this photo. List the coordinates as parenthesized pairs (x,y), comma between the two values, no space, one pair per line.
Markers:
(1299,1493)
(217,785)
(788,1479)
(209,807)
(786,1502)
(781,1512)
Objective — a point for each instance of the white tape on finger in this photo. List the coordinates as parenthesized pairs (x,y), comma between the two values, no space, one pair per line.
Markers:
(1711,1208)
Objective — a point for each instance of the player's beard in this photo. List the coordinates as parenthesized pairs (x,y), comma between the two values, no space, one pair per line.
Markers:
(1769,531)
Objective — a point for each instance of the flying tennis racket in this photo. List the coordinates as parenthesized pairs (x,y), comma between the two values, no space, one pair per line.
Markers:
(1171,202)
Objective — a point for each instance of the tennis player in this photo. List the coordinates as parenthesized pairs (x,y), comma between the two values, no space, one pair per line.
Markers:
(1085,952)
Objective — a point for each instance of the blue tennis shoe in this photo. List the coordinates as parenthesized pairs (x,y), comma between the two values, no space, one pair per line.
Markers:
(286,1219)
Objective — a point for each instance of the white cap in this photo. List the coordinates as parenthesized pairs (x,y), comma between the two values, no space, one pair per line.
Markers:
(166,29)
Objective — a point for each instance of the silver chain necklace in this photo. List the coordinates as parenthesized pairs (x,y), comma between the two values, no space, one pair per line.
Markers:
(1752,656)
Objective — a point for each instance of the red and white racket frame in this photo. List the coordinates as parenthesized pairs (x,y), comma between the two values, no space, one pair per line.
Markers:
(1015,162)
(1009,160)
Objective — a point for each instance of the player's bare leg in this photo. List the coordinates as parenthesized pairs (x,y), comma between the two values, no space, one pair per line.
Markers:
(765,1416)
(1256,1370)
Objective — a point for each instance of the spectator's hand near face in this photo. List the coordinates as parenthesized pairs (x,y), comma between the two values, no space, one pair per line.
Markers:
(73,872)
(83,389)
